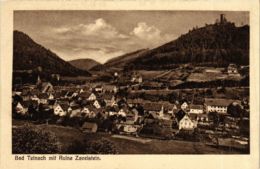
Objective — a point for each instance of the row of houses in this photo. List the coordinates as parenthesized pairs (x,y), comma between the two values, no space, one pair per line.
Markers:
(98,101)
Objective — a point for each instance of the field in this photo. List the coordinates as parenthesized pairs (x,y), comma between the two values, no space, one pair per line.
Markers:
(129,145)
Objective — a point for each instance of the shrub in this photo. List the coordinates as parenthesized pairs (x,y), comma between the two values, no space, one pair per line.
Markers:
(102,146)
(28,140)
(76,147)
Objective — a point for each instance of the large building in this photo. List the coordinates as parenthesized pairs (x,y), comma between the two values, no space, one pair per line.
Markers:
(218,105)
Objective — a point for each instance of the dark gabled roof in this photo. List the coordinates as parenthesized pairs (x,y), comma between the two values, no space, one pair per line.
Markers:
(180,114)
(219,102)
(51,102)
(35,92)
(74,107)
(64,106)
(98,86)
(94,109)
(152,115)
(196,106)
(109,87)
(25,104)
(152,106)
(192,116)
(107,96)
(43,85)
(57,94)
(69,93)
(25,92)
(45,106)
(85,94)
(64,92)
(112,108)
(43,96)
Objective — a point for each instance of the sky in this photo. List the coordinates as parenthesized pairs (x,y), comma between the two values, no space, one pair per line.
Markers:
(102,35)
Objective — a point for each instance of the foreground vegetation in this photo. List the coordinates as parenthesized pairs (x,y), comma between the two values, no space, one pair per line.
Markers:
(72,141)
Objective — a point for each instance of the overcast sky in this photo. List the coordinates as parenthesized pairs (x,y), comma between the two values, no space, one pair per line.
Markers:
(102,35)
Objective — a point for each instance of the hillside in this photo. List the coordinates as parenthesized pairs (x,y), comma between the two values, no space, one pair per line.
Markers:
(119,62)
(84,64)
(122,60)
(28,55)
(211,45)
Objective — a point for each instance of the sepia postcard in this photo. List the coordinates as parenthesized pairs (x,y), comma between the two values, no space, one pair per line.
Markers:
(129,84)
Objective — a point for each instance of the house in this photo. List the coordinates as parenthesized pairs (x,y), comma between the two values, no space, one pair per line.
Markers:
(89,127)
(52,103)
(232,69)
(151,118)
(85,111)
(84,95)
(180,114)
(21,108)
(129,129)
(110,88)
(109,99)
(202,118)
(55,76)
(57,95)
(122,112)
(218,105)
(131,116)
(196,109)
(69,94)
(134,102)
(99,88)
(51,96)
(75,111)
(81,90)
(93,112)
(89,112)
(44,107)
(34,97)
(152,107)
(25,94)
(112,110)
(43,97)
(46,87)
(61,109)
(186,123)
(166,123)
(137,78)
(97,104)
(184,105)
(92,97)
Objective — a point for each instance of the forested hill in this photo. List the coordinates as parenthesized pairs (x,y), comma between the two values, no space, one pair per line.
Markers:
(84,64)
(28,55)
(211,45)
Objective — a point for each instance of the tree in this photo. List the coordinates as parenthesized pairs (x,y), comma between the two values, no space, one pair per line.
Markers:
(235,110)
(102,146)
(214,117)
(29,140)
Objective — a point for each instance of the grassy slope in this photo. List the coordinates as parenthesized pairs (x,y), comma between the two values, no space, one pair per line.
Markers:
(67,135)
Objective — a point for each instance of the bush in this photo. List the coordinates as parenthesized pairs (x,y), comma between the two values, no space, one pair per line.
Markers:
(76,147)
(28,140)
(102,146)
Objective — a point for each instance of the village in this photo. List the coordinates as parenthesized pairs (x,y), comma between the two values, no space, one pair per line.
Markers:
(111,108)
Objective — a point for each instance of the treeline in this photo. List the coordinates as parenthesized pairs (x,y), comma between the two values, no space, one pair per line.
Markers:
(218,44)
(28,55)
